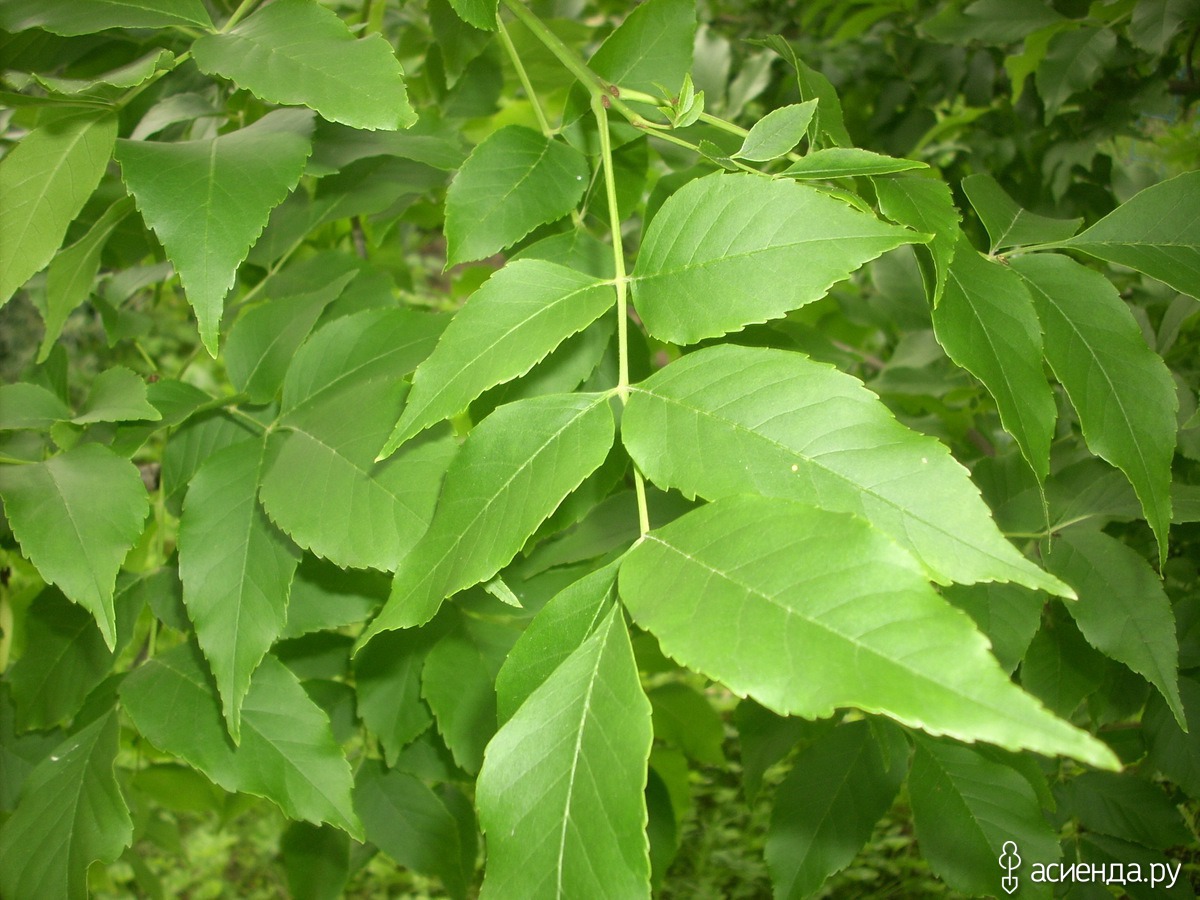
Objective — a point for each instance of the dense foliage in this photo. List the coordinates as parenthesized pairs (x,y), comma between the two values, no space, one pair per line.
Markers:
(470,437)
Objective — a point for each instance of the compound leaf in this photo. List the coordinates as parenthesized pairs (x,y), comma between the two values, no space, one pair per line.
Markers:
(514,469)
(299,52)
(74,533)
(71,814)
(514,181)
(208,200)
(506,327)
(561,791)
(727,251)
(1121,389)
(733,420)
(807,610)
(236,570)
(45,180)
(287,753)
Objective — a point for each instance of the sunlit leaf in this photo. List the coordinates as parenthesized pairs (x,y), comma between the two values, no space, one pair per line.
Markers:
(837,615)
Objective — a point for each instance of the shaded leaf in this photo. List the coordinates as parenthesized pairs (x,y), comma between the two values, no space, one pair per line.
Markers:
(29,406)
(1157,232)
(208,200)
(1120,388)
(560,795)
(71,814)
(355,511)
(299,52)
(76,535)
(1125,806)
(70,17)
(966,807)
(387,679)
(515,180)
(808,610)
(236,569)
(71,273)
(827,807)
(1074,60)
(263,342)
(1174,752)
(727,251)
(651,46)
(316,859)
(45,180)
(1007,224)
(514,469)
(684,718)
(1122,610)
(480,13)
(287,754)
(457,685)
(411,824)
(520,315)
(733,420)
(987,324)
(1008,614)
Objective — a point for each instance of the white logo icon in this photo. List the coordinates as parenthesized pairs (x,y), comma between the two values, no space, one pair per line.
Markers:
(1009,860)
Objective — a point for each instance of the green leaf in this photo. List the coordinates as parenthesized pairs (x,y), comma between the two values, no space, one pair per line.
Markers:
(287,753)
(1074,61)
(25,406)
(411,824)
(520,315)
(554,634)
(828,122)
(299,52)
(317,861)
(966,807)
(1120,388)
(1007,614)
(208,200)
(70,17)
(1122,610)
(459,688)
(515,180)
(71,658)
(387,679)
(325,597)
(1060,667)
(843,162)
(126,76)
(72,272)
(117,395)
(728,251)
(74,533)
(480,13)
(45,180)
(1156,22)
(560,794)
(808,611)
(652,46)
(827,807)
(925,205)
(684,718)
(263,342)
(732,420)
(71,814)
(1007,224)
(987,324)
(514,469)
(236,569)
(1172,751)
(356,512)
(1156,232)
(777,132)
(1125,806)
(996,22)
